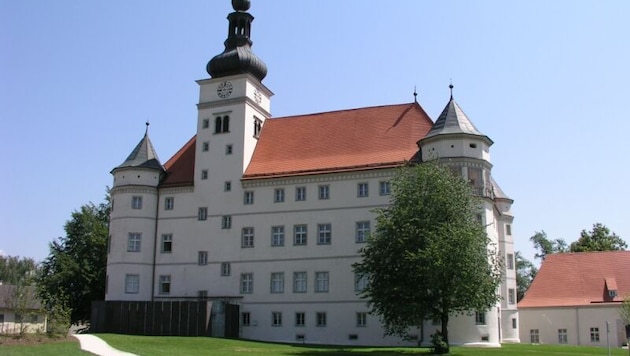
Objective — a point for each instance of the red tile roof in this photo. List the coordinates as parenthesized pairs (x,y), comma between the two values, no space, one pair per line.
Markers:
(337,141)
(180,169)
(575,279)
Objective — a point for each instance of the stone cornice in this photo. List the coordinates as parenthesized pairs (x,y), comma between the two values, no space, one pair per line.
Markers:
(139,189)
(319,178)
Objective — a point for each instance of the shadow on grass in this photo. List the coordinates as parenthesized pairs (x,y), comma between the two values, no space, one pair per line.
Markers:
(320,350)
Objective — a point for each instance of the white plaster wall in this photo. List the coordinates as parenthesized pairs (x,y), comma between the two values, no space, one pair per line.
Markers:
(439,147)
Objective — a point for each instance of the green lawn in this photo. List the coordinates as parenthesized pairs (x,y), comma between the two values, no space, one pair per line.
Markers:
(65,348)
(151,345)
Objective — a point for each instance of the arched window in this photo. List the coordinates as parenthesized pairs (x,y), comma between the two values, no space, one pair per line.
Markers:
(222,124)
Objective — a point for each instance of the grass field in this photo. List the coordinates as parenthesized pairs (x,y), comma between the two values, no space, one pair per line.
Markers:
(153,345)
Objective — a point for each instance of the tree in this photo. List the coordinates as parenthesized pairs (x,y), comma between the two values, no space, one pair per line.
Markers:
(19,273)
(73,274)
(546,246)
(14,270)
(600,238)
(525,273)
(429,257)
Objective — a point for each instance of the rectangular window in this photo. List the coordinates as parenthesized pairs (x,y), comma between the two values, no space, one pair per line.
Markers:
(324,192)
(202,214)
(594,334)
(165,284)
(360,282)
(204,174)
(384,188)
(277,282)
(257,126)
(363,230)
(228,149)
(510,261)
(324,234)
(361,319)
(300,193)
(362,190)
(17,317)
(511,296)
(534,336)
(508,229)
(248,198)
(277,236)
(278,195)
(225,268)
(205,147)
(169,203)
(226,222)
(562,336)
(300,319)
(321,282)
(320,318)
(247,283)
(134,242)
(245,318)
(205,123)
(299,235)
(247,237)
(136,202)
(167,243)
(227,186)
(202,258)
(480,318)
(276,319)
(514,323)
(299,282)
(132,283)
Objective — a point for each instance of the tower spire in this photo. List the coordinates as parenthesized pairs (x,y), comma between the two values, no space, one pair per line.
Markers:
(450,86)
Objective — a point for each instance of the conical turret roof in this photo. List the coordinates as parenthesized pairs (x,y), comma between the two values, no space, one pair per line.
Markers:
(453,120)
(143,156)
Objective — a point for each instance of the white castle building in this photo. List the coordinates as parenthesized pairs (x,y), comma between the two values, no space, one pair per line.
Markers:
(269,213)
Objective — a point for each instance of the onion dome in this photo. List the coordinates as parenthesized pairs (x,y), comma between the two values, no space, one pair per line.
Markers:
(238,58)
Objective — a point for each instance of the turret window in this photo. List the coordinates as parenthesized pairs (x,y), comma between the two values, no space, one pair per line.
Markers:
(362,190)
(132,283)
(222,124)
(136,202)
(167,243)
(202,214)
(165,284)
(169,203)
(134,241)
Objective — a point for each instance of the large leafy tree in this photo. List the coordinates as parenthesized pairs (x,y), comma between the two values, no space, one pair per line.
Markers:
(17,270)
(429,257)
(545,246)
(525,273)
(73,274)
(600,238)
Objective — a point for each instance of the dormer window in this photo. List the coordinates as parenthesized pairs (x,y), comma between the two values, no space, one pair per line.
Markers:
(612,293)
(611,288)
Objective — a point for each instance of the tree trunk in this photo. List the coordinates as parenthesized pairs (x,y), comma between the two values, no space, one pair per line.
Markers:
(444,320)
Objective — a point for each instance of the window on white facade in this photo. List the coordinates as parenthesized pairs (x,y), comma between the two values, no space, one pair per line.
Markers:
(562,336)
(594,334)
(136,202)
(321,282)
(511,296)
(324,234)
(202,258)
(320,319)
(384,188)
(167,243)
(169,203)
(510,261)
(248,198)
(132,283)
(165,284)
(222,124)
(362,190)
(226,222)
(480,318)
(361,319)
(363,230)
(300,319)
(247,283)
(299,282)
(276,319)
(225,268)
(514,323)
(227,186)
(299,235)
(360,282)
(204,174)
(508,229)
(205,146)
(277,282)
(202,213)
(278,195)
(324,192)
(228,149)
(205,123)
(257,126)
(300,193)
(245,318)
(277,236)
(134,242)
(247,237)
(534,336)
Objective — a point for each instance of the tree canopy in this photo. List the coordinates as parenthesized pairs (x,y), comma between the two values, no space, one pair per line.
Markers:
(429,256)
(546,246)
(73,274)
(600,238)
(525,273)
(17,270)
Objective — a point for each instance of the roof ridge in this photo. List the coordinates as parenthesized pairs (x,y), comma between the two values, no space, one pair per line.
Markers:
(342,110)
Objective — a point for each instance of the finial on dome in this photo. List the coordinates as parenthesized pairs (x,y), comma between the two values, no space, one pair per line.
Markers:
(241,5)
(450,86)
(146,131)
(415,95)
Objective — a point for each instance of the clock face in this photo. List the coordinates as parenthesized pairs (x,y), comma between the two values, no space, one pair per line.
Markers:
(224,89)
(257,96)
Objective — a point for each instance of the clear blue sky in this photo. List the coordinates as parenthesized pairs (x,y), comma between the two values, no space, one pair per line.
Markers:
(546,80)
